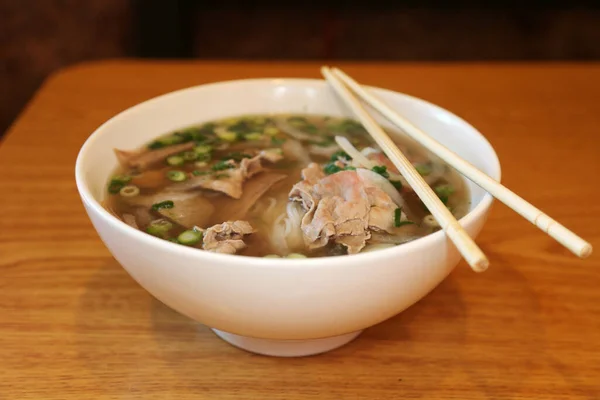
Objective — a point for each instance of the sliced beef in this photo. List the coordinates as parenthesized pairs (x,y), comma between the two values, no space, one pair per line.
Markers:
(344,207)
(189,209)
(254,189)
(144,159)
(227,237)
(230,181)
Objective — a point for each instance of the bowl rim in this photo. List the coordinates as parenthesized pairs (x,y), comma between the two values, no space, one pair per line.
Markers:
(315,262)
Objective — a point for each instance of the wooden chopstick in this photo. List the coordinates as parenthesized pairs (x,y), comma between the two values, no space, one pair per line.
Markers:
(461,239)
(561,234)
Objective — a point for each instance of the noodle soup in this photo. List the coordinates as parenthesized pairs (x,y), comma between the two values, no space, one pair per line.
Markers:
(278,186)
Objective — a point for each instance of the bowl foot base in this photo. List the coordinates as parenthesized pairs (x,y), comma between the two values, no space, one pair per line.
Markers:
(286,348)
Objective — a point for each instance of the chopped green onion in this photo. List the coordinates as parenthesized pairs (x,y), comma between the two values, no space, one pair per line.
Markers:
(166,141)
(190,156)
(277,141)
(163,204)
(176,176)
(117,183)
(189,238)
(311,128)
(331,168)
(226,135)
(271,131)
(423,169)
(236,156)
(407,222)
(295,255)
(200,173)
(175,160)
(200,164)
(129,191)
(443,192)
(222,165)
(203,149)
(349,168)
(159,228)
(397,216)
(339,155)
(203,156)
(397,185)
(381,170)
(254,136)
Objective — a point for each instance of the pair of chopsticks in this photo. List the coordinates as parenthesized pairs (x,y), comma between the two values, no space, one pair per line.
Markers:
(347,89)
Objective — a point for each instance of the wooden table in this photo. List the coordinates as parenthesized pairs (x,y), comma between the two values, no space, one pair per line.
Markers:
(74,325)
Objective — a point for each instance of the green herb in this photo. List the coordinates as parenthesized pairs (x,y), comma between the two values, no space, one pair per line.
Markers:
(397,185)
(236,156)
(443,192)
(381,170)
(129,191)
(348,126)
(277,141)
(423,169)
(349,168)
(339,155)
(331,168)
(117,183)
(240,127)
(159,228)
(222,165)
(311,129)
(397,216)
(203,149)
(190,156)
(175,160)
(407,222)
(200,173)
(254,136)
(166,141)
(176,176)
(190,237)
(203,157)
(163,204)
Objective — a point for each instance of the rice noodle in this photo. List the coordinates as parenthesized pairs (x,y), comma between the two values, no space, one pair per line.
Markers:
(286,233)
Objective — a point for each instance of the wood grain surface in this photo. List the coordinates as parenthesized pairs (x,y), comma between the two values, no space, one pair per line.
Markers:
(74,325)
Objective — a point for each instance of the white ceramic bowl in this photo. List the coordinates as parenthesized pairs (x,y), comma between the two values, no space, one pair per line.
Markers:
(283,307)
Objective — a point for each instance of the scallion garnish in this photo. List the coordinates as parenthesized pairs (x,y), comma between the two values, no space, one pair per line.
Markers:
(159,228)
(163,204)
(331,168)
(397,216)
(397,185)
(222,165)
(176,176)
(175,160)
(339,155)
(190,237)
(381,170)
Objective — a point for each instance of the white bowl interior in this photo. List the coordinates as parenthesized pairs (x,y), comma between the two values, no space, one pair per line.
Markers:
(176,110)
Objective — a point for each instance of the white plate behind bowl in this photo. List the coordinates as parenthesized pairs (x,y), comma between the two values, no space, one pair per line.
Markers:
(261,304)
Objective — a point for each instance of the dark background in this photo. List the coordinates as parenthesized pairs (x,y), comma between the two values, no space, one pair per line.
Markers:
(38,37)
